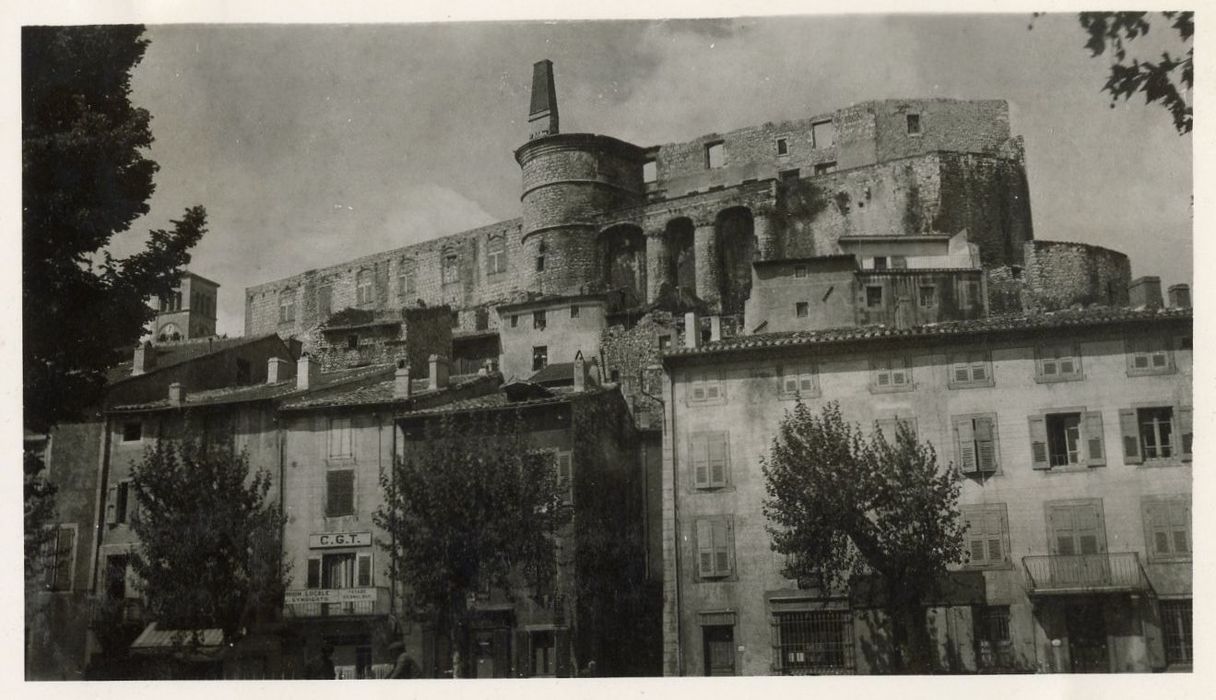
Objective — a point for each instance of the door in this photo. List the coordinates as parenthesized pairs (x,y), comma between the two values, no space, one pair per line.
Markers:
(483,654)
(719,650)
(1087,638)
(1078,540)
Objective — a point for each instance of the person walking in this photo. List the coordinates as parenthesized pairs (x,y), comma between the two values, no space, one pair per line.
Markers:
(405,666)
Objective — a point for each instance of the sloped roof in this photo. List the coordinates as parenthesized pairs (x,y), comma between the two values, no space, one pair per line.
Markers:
(1069,318)
(171,354)
(555,372)
(381,392)
(498,400)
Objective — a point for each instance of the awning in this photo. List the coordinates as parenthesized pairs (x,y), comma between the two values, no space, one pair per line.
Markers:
(200,645)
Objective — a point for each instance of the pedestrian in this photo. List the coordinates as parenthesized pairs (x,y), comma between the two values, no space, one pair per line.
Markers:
(323,668)
(405,666)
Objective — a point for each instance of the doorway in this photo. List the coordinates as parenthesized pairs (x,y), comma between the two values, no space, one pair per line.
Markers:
(1087,638)
(719,650)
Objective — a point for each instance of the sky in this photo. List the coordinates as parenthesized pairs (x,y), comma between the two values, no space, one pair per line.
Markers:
(314,144)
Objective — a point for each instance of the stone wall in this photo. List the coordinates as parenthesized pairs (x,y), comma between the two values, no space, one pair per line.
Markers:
(356,338)
(1059,274)
(629,353)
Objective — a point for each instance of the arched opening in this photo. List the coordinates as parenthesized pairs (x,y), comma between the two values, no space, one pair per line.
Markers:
(681,259)
(169,331)
(623,255)
(736,239)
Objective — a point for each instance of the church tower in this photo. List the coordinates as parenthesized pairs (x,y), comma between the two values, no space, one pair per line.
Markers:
(188,312)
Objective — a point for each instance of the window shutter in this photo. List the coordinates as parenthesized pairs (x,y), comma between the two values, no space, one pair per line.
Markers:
(789,384)
(1180,526)
(314,573)
(365,571)
(705,548)
(996,535)
(1038,443)
(718,459)
(965,432)
(123,504)
(985,444)
(722,548)
(1131,436)
(1184,429)
(698,390)
(711,387)
(806,382)
(1095,451)
(340,497)
(64,558)
(700,460)
(961,374)
(112,505)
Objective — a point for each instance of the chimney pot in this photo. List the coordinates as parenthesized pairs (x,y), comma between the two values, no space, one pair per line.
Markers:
(692,329)
(715,328)
(1180,296)
(1145,292)
(439,373)
(307,372)
(542,112)
(402,389)
(276,370)
(177,394)
(145,358)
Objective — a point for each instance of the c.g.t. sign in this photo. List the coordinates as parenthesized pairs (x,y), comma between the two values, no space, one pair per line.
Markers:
(323,540)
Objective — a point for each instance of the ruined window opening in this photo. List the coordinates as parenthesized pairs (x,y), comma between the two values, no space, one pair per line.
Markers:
(538,320)
(133,431)
(363,288)
(614,375)
(880,263)
(352,342)
(914,125)
(481,319)
(540,263)
(574,311)
(714,155)
(287,306)
(928,296)
(783,146)
(540,357)
(823,134)
(496,255)
(450,271)
(802,309)
(825,168)
(873,297)
(514,320)
(650,171)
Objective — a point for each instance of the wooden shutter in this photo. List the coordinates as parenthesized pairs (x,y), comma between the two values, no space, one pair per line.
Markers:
(996,536)
(722,553)
(1095,449)
(1131,436)
(1060,526)
(123,504)
(789,380)
(1184,430)
(340,492)
(712,388)
(719,459)
(985,444)
(964,430)
(112,505)
(806,381)
(314,573)
(1180,528)
(1156,515)
(364,571)
(699,450)
(1038,443)
(705,548)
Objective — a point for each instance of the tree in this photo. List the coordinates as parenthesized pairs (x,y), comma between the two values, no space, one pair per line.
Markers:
(843,507)
(470,505)
(210,541)
(85,178)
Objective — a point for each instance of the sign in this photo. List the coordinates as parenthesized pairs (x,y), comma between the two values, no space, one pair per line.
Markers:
(330,595)
(323,540)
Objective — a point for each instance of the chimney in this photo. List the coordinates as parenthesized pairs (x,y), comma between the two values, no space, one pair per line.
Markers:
(145,358)
(439,373)
(692,329)
(580,372)
(1145,292)
(402,388)
(177,394)
(715,328)
(276,370)
(308,371)
(1180,296)
(542,114)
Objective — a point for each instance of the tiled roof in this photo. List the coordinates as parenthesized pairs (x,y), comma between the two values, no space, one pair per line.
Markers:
(555,372)
(262,392)
(381,392)
(1069,318)
(498,400)
(170,354)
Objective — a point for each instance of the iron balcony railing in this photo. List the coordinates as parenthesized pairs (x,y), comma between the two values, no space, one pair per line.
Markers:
(1085,573)
(336,602)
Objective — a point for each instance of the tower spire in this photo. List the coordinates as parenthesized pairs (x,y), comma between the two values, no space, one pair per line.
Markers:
(542,114)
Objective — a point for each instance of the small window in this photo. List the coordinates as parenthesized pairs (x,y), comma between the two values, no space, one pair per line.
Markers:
(825,168)
(650,171)
(1167,527)
(969,370)
(975,440)
(352,342)
(714,155)
(325,300)
(800,271)
(540,357)
(914,125)
(340,438)
(823,134)
(132,431)
(454,319)
(481,319)
(540,263)
(339,493)
(873,297)
(705,386)
(715,548)
(890,374)
(1149,355)
(574,311)
(614,375)
(363,288)
(664,343)
(514,320)
(880,263)
(969,294)
(783,146)
(122,502)
(889,428)
(1067,440)
(538,320)
(987,535)
(799,380)
(802,309)
(1058,363)
(287,306)
(450,271)
(927,294)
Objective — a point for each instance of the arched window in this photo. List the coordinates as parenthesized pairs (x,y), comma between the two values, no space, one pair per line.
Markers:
(287,306)
(363,288)
(450,272)
(169,331)
(407,283)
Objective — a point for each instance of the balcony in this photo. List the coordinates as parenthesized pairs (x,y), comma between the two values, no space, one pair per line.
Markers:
(335,602)
(1059,574)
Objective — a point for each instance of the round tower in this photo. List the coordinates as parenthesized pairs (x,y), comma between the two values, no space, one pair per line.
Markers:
(569,180)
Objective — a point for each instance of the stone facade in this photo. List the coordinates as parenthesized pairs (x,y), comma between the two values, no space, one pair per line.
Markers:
(1060,274)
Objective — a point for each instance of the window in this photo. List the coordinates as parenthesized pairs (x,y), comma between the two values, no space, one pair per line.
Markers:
(664,343)
(715,548)
(705,386)
(454,319)
(1067,439)
(889,427)
(650,171)
(574,311)
(994,648)
(913,124)
(544,653)
(406,278)
(823,134)
(352,341)
(1057,363)
(540,357)
(496,255)
(614,375)
(1176,620)
(481,319)
(339,493)
(800,271)
(976,442)
(709,456)
(1076,528)
(968,294)
(118,502)
(1167,527)
(538,320)
(340,435)
(363,288)
(287,306)
(927,294)
(450,271)
(814,642)
(1156,433)
(802,309)
(873,297)
(987,535)
(890,374)
(540,263)
(116,576)
(899,262)
(825,168)
(514,320)
(799,380)
(783,146)
(132,431)
(714,154)
(58,558)
(969,370)
(880,263)
(325,303)
(1149,355)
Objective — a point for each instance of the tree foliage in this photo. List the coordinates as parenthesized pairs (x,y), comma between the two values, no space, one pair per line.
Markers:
(470,505)
(85,178)
(39,512)
(210,552)
(843,506)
